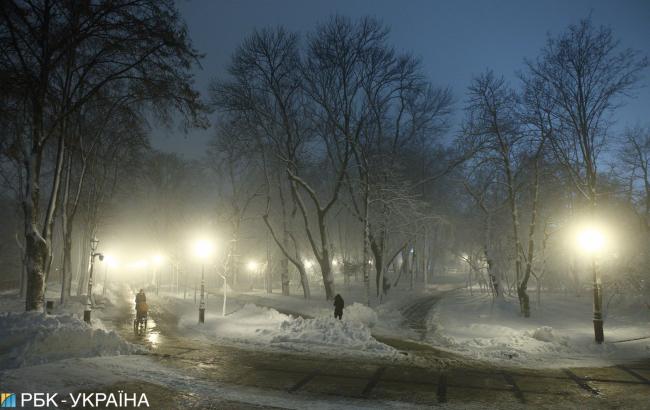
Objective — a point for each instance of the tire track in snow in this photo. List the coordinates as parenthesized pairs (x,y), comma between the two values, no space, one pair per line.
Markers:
(416,313)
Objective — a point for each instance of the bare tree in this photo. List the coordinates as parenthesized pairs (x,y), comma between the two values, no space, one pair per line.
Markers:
(56,56)
(264,96)
(586,74)
(493,126)
(634,155)
(231,156)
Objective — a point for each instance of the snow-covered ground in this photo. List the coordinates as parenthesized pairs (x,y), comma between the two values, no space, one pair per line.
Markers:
(257,327)
(383,319)
(558,333)
(30,338)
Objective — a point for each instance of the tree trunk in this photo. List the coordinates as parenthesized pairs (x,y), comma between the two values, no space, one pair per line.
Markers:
(522,287)
(366,239)
(36,254)
(66,280)
(284,261)
(304,281)
(84,264)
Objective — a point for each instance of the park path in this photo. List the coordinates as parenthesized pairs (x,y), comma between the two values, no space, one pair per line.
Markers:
(443,379)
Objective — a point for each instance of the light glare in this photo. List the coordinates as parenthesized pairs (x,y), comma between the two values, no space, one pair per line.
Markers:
(110,260)
(591,240)
(203,248)
(158,259)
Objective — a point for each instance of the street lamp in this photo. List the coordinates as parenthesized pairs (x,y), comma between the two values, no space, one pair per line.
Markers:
(252,266)
(93,247)
(202,249)
(591,240)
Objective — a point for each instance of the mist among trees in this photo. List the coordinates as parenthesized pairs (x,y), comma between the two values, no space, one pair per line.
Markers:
(333,155)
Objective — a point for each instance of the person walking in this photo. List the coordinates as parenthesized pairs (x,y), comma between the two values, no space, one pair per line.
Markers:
(338,307)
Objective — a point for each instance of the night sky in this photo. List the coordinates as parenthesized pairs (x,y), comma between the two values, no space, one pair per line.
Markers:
(454,39)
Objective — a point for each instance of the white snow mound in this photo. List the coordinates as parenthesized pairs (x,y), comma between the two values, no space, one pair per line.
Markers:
(29,338)
(357,312)
(332,332)
(263,326)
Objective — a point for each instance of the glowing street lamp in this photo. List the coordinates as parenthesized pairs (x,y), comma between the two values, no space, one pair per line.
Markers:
(202,249)
(93,247)
(591,240)
(252,266)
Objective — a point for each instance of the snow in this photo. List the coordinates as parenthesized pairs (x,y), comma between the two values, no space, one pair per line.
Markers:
(383,319)
(338,334)
(362,314)
(263,327)
(30,338)
(559,333)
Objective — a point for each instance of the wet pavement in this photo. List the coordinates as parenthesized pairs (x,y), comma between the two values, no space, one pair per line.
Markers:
(438,377)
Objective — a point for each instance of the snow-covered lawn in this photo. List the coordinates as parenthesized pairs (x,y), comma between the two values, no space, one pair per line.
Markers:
(559,333)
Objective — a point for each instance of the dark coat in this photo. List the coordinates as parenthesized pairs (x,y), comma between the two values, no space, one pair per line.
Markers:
(338,303)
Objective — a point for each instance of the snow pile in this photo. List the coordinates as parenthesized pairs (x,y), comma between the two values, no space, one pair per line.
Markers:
(332,332)
(543,334)
(357,312)
(558,333)
(241,324)
(30,338)
(264,327)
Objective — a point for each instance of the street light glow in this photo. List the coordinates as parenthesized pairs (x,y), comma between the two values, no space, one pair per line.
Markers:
(252,266)
(591,240)
(110,260)
(158,259)
(139,264)
(203,248)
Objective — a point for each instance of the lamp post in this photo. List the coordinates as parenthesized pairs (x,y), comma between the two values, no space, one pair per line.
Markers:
(591,240)
(93,248)
(202,302)
(202,249)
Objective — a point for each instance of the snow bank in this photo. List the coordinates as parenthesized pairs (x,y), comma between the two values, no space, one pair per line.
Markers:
(383,319)
(360,313)
(30,338)
(267,327)
(326,332)
(559,333)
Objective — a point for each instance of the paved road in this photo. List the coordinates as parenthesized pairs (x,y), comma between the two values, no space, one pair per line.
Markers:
(444,378)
